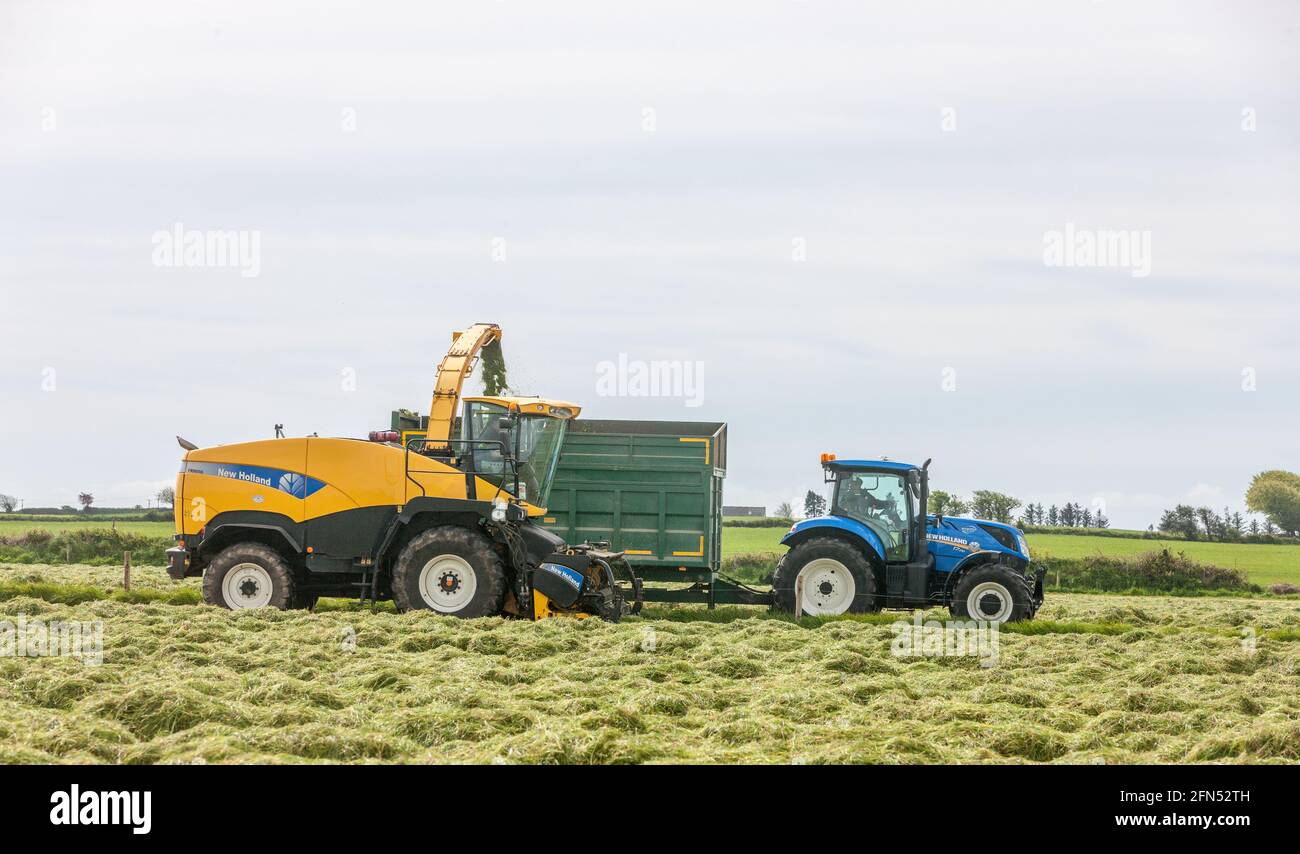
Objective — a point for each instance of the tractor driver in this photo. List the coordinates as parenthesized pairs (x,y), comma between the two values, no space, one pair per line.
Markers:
(859,501)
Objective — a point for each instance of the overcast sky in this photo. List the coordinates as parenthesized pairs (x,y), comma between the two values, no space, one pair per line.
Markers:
(838,209)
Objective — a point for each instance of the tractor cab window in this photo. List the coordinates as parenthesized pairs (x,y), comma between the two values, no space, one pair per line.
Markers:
(487,438)
(880,501)
(533,440)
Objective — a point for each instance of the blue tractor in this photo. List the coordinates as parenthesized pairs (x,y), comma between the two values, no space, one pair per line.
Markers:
(878,548)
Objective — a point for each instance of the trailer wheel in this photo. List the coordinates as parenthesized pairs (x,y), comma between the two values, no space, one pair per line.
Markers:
(836,579)
(452,571)
(248,575)
(996,593)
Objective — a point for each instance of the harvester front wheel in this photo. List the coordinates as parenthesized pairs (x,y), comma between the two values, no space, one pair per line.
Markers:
(450,570)
(833,576)
(248,575)
(995,593)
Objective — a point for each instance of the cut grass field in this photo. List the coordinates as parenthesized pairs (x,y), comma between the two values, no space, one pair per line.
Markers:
(1094,679)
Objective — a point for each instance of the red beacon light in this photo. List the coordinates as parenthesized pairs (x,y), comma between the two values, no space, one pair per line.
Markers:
(385,436)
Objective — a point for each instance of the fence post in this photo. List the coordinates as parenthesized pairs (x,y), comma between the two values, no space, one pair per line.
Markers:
(68,554)
(126,571)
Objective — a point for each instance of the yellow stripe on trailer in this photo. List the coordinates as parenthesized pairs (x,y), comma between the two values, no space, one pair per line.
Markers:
(699,553)
(706,449)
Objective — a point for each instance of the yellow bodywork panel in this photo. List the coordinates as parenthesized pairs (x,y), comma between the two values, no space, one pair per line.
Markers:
(308,478)
(243,476)
(542,609)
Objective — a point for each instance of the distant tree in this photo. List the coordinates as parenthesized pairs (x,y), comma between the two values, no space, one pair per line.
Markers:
(1181,521)
(1276,494)
(1085,521)
(813,505)
(996,506)
(167,496)
(1210,523)
(1053,516)
(1069,515)
(784,510)
(86,499)
(1254,527)
(946,504)
(1269,527)
(1101,521)
(8,503)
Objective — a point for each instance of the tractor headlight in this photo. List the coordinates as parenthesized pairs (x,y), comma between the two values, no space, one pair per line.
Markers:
(1024,546)
(499,511)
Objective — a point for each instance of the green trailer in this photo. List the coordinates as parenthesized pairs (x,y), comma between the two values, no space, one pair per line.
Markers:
(651,489)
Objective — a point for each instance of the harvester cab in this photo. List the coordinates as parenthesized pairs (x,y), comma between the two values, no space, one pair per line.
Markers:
(877,547)
(443,521)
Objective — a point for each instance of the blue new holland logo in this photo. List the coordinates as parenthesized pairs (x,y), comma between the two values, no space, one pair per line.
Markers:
(291,482)
(572,576)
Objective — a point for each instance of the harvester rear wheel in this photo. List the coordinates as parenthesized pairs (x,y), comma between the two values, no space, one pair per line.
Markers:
(996,593)
(452,571)
(836,579)
(248,575)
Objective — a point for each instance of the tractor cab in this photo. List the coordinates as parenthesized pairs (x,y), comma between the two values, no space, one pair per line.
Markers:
(888,497)
(514,442)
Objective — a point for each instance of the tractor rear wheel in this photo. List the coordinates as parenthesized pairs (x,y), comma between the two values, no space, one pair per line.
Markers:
(834,577)
(248,575)
(996,593)
(452,571)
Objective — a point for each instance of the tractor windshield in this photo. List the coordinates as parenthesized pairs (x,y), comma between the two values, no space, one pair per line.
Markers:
(880,502)
(534,441)
(540,437)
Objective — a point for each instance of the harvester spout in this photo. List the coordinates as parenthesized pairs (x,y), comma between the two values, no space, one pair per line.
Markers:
(455,366)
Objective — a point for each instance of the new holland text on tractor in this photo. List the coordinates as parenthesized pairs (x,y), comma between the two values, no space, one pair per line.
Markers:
(442,522)
(878,548)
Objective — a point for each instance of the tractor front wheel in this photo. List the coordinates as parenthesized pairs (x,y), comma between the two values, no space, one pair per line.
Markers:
(248,575)
(996,594)
(832,576)
(450,570)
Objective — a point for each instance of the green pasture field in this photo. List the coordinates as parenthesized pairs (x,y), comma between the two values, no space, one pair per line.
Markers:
(1263,564)
(16,527)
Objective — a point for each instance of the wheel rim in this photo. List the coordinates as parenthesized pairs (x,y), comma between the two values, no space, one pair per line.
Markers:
(448,583)
(246,585)
(990,601)
(827,587)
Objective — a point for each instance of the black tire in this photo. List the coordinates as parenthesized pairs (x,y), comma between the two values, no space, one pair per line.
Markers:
(306,601)
(1008,596)
(473,555)
(830,548)
(273,569)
